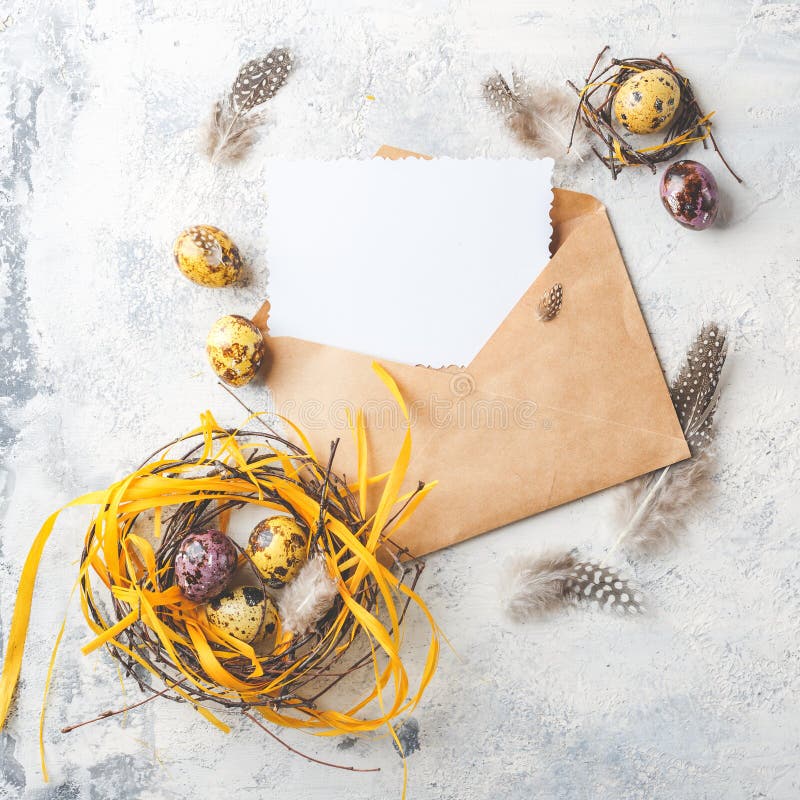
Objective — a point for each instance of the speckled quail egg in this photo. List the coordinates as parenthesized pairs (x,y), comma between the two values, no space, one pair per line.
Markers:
(204,564)
(245,612)
(646,102)
(235,348)
(689,192)
(278,546)
(208,256)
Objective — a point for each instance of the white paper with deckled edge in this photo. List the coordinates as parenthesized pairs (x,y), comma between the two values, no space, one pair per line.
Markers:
(417,261)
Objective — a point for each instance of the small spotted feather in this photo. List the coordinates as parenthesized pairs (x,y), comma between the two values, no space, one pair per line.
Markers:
(550,303)
(591,581)
(260,79)
(233,126)
(694,390)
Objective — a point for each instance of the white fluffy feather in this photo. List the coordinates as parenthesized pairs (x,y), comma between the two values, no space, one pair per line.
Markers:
(540,116)
(536,582)
(655,505)
(305,600)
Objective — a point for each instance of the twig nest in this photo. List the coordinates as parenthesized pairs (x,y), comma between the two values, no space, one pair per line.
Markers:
(204,564)
(343,622)
(208,256)
(235,349)
(245,613)
(645,95)
(647,101)
(689,193)
(278,546)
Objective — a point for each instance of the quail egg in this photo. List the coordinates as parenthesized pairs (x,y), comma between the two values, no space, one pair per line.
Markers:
(690,194)
(646,102)
(208,256)
(278,546)
(204,564)
(245,612)
(235,349)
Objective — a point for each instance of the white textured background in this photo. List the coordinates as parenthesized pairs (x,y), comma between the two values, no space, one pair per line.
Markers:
(102,357)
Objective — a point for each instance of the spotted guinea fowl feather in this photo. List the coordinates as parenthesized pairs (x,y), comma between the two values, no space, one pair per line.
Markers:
(695,390)
(233,126)
(550,303)
(541,117)
(652,507)
(535,583)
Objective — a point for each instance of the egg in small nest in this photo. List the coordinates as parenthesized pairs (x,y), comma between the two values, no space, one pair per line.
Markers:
(235,349)
(278,546)
(208,256)
(647,102)
(204,564)
(245,612)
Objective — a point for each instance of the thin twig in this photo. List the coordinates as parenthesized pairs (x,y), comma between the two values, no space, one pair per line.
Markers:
(304,755)
(247,408)
(107,714)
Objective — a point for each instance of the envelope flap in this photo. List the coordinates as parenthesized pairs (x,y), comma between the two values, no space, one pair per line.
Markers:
(568,211)
(598,340)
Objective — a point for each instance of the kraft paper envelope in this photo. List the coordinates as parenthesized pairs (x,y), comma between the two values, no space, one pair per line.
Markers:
(547,412)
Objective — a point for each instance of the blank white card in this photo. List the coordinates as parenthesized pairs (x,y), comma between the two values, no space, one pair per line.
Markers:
(413,260)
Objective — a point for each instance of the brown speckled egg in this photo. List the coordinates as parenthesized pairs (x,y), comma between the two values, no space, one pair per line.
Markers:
(204,564)
(646,102)
(690,194)
(208,256)
(278,547)
(236,349)
(246,613)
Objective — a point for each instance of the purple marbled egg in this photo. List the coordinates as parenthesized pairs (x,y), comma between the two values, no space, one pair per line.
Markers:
(204,564)
(690,194)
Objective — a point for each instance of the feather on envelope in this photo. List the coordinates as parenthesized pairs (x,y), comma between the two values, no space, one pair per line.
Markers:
(544,414)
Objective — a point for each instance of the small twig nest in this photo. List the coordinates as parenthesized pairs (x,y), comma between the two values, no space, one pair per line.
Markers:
(154,629)
(596,111)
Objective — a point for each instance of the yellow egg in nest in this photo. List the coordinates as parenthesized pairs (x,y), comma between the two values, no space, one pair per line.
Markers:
(208,256)
(278,547)
(246,613)
(647,102)
(236,349)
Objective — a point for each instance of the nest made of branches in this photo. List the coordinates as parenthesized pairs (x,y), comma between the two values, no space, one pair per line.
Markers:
(155,632)
(596,112)
(132,604)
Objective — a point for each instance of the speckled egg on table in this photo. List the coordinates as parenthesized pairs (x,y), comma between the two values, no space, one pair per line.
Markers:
(204,564)
(646,102)
(208,256)
(245,612)
(235,349)
(278,547)
(690,194)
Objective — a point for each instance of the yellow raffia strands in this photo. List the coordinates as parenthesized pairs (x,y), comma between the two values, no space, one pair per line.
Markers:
(595,84)
(683,139)
(125,564)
